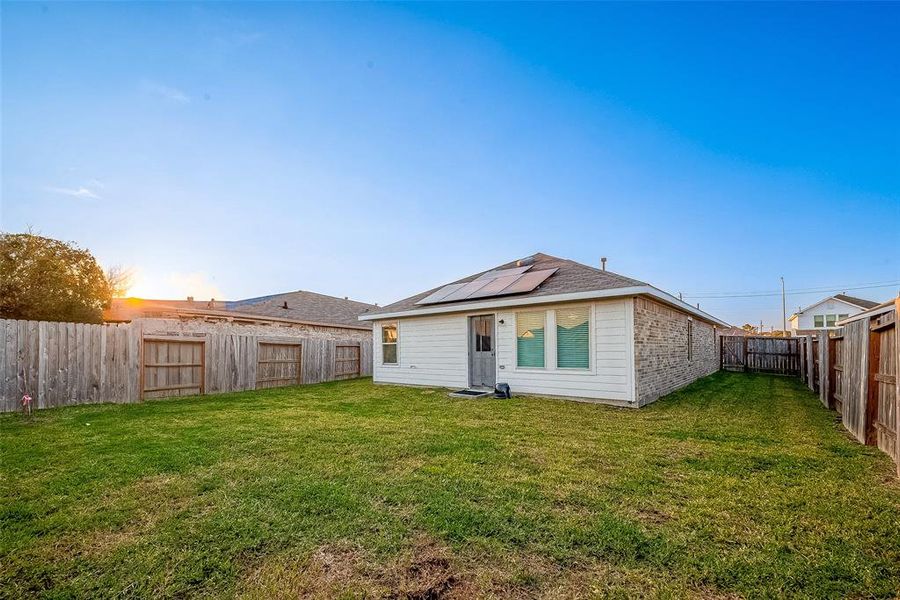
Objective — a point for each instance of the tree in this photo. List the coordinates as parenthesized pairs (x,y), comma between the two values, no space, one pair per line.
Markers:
(749,328)
(44,279)
(119,279)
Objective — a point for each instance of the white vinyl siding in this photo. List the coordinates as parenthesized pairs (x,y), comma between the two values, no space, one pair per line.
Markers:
(432,351)
(611,372)
(807,320)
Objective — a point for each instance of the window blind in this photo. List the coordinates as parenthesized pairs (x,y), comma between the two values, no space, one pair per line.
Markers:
(573,338)
(530,339)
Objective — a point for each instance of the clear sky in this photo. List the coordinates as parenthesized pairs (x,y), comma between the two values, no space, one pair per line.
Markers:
(375,150)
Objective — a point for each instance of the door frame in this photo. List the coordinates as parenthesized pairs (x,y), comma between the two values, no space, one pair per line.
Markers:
(470,344)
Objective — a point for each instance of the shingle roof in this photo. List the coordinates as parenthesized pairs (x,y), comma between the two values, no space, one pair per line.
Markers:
(856,301)
(570,277)
(305,306)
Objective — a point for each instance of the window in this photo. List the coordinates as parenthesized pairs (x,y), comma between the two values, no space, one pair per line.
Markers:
(389,344)
(819,321)
(573,338)
(690,340)
(830,320)
(484,333)
(530,339)
(842,317)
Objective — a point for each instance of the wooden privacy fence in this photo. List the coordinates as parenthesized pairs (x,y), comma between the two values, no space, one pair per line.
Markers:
(780,356)
(854,370)
(60,364)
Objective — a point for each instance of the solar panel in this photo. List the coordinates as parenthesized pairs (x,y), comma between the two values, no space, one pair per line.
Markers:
(466,290)
(442,293)
(505,282)
(496,286)
(528,282)
(503,273)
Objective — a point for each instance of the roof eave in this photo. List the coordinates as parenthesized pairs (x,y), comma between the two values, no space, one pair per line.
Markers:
(507,302)
(882,308)
(824,300)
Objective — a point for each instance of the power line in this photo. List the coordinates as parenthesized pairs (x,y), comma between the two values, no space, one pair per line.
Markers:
(841,288)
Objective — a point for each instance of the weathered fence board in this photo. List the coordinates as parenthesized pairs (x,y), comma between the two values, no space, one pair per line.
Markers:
(859,377)
(278,365)
(780,356)
(346,361)
(854,384)
(883,385)
(59,364)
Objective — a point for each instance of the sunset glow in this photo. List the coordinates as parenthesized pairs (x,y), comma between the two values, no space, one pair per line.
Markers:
(174,286)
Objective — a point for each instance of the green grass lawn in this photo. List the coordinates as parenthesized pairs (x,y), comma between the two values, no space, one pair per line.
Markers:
(739,485)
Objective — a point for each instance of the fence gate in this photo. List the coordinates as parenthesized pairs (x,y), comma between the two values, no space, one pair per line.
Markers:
(172,367)
(731,353)
(278,365)
(780,356)
(346,361)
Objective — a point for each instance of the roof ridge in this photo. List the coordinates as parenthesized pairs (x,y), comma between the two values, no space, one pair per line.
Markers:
(257,299)
(570,275)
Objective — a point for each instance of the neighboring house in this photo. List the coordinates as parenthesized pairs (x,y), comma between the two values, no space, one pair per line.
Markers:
(122,310)
(547,326)
(302,311)
(305,306)
(825,314)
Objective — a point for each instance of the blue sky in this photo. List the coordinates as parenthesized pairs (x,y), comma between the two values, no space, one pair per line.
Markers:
(375,150)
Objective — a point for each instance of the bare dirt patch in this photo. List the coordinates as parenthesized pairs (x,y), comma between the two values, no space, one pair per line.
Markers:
(425,571)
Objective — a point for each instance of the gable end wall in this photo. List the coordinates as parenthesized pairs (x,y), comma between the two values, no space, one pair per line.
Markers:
(660,350)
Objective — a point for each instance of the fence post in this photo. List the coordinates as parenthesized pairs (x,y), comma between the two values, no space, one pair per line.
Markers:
(831,355)
(897,382)
(872,386)
(721,352)
(801,357)
(810,364)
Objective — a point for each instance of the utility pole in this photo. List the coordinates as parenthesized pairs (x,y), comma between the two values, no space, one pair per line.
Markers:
(783,310)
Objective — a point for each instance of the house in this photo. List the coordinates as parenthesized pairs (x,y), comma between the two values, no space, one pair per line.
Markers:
(186,347)
(301,311)
(825,313)
(548,326)
(305,306)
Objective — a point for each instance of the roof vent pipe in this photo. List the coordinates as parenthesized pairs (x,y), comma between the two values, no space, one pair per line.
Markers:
(284,305)
(603,263)
(525,261)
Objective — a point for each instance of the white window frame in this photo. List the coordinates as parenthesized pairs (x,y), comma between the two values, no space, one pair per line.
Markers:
(396,344)
(550,357)
(576,370)
(515,332)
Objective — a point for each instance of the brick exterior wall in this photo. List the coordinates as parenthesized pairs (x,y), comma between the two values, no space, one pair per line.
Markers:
(163,326)
(660,350)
